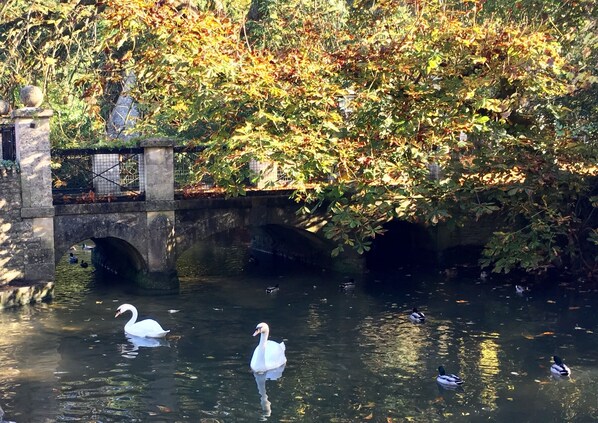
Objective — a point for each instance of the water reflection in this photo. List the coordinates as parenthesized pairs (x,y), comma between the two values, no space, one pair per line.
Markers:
(358,356)
(260,380)
(131,349)
(489,370)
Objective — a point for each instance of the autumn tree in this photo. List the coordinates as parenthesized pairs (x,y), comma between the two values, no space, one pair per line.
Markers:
(416,110)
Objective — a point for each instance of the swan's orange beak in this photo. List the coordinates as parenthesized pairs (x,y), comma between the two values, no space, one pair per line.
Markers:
(117,313)
(258,330)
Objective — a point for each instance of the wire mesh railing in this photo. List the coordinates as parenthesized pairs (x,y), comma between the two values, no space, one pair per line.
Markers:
(188,176)
(108,174)
(117,174)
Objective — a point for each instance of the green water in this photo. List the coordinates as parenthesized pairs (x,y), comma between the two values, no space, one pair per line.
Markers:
(352,356)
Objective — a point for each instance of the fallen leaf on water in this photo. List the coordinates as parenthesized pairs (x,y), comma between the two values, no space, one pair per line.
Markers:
(526,336)
(546,333)
(369,416)
(574,308)
(461,301)
(164,409)
(515,373)
(551,302)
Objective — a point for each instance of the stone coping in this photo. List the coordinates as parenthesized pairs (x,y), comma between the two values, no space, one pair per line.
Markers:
(156,142)
(22,293)
(32,212)
(32,112)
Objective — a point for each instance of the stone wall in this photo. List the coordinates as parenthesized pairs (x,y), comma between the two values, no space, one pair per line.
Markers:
(16,236)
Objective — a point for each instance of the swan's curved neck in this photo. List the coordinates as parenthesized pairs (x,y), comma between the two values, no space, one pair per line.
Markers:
(263,339)
(133,318)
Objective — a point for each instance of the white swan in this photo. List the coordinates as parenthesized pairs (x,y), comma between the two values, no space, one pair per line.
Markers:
(146,328)
(268,355)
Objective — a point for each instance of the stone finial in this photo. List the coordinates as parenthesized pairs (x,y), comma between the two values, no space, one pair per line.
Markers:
(31,96)
(4,107)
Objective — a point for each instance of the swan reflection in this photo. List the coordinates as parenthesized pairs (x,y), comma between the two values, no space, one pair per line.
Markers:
(260,380)
(130,350)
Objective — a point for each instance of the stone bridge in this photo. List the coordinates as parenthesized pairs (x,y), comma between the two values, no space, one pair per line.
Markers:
(140,239)
(143,239)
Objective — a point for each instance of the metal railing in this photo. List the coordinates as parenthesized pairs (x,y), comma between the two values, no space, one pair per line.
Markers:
(187,167)
(106,174)
(86,175)
(9,149)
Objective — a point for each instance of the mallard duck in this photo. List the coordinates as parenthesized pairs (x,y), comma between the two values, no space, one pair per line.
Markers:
(559,368)
(451,380)
(271,289)
(417,316)
(73,258)
(350,284)
(84,264)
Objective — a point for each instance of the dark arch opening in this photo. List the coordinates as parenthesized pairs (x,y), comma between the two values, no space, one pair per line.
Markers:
(118,257)
(403,244)
(292,244)
(262,249)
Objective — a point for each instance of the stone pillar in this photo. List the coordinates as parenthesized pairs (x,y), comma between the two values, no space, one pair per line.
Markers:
(158,157)
(158,166)
(32,131)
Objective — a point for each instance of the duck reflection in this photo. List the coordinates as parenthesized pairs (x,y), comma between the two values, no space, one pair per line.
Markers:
(260,380)
(131,349)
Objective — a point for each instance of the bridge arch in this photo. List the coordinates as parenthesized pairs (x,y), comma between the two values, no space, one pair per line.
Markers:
(403,244)
(117,256)
(119,238)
